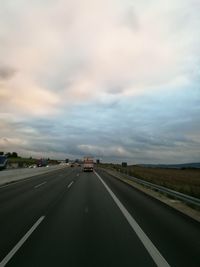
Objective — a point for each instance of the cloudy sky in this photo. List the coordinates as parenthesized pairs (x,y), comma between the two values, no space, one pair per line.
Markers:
(118,80)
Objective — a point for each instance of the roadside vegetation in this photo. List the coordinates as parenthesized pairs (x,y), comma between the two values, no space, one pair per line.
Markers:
(22,161)
(16,161)
(184,180)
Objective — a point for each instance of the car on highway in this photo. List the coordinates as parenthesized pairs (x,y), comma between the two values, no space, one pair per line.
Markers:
(3,162)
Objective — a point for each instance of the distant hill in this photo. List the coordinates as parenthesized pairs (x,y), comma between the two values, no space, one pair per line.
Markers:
(173,166)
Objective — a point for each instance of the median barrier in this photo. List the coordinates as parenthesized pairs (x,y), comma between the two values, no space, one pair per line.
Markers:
(9,176)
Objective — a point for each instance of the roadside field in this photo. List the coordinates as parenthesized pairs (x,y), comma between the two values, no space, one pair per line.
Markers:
(186,181)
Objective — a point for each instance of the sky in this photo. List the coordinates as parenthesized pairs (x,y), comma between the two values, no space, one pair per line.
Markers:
(116,80)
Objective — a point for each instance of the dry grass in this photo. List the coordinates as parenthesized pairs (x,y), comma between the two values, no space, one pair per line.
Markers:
(186,181)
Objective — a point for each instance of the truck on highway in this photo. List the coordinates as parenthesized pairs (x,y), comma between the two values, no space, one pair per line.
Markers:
(88,164)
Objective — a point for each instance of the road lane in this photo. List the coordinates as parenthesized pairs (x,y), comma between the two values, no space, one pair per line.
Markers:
(20,243)
(21,204)
(85,228)
(176,235)
(14,189)
(69,185)
(152,250)
(38,185)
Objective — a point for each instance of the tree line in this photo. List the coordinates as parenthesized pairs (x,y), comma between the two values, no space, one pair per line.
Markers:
(9,154)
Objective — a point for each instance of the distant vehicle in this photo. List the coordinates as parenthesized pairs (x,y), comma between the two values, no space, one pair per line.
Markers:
(32,166)
(42,163)
(3,162)
(88,164)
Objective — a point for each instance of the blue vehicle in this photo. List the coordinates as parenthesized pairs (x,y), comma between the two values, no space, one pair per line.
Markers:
(3,162)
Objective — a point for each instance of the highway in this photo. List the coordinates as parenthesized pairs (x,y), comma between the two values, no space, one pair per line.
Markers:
(74,218)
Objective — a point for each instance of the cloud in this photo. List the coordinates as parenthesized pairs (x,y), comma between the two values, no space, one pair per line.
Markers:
(6,73)
(107,77)
(139,133)
(92,48)
(99,151)
(23,96)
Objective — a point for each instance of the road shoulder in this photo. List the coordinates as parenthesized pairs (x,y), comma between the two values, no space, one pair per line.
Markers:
(176,204)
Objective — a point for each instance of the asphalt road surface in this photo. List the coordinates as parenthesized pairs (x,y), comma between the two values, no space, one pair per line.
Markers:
(72,218)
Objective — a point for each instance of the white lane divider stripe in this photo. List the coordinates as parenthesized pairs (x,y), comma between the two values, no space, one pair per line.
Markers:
(69,185)
(40,185)
(21,242)
(152,250)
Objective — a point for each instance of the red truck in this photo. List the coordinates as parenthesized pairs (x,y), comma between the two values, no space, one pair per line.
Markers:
(88,164)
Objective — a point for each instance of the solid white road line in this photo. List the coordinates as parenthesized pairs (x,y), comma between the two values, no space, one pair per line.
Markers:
(69,185)
(152,250)
(20,243)
(40,185)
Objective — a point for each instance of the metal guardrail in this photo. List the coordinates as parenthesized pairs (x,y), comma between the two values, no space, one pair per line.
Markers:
(183,197)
